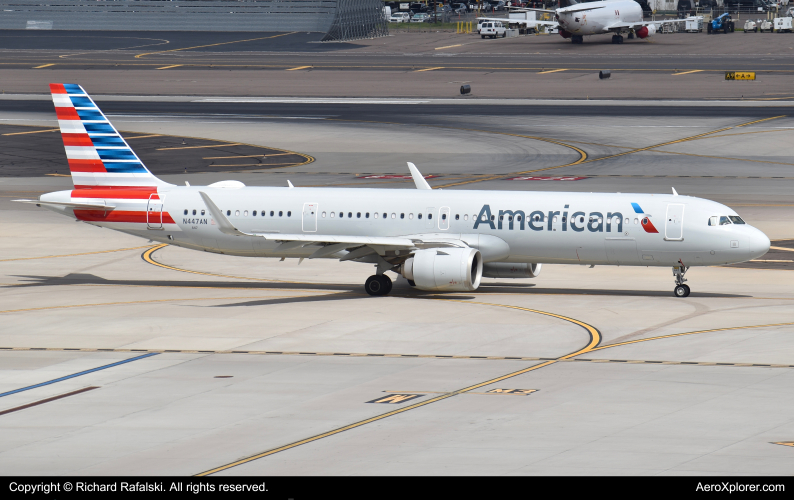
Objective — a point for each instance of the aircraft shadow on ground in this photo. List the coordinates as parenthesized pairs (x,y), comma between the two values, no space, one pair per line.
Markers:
(354,291)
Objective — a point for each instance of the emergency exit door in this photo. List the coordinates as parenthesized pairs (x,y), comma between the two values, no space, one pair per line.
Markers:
(310,217)
(674,222)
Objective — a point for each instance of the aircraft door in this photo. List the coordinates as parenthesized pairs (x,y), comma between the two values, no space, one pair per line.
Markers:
(674,222)
(443,218)
(430,222)
(154,212)
(310,217)
(621,251)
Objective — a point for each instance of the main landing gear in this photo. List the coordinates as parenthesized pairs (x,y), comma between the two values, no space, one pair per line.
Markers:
(617,38)
(680,290)
(577,39)
(378,284)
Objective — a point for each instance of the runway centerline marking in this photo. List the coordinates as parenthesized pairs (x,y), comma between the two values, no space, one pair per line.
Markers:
(213,45)
(552,71)
(595,338)
(687,72)
(172,66)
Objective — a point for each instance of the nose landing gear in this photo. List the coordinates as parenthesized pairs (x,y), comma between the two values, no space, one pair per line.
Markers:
(680,290)
(617,38)
(577,39)
(378,284)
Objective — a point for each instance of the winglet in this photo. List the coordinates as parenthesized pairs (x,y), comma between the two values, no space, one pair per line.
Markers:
(419,180)
(289,184)
(224,225)
(674,192)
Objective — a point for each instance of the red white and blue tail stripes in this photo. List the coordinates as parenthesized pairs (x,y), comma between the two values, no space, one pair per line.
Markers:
(97,154)
(103,166)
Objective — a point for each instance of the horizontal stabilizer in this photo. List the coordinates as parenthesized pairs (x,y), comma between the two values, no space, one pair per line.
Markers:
(83,206)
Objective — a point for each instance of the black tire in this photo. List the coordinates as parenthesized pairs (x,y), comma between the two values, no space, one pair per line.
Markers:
(681,291)
(387,282)
(374,286)
(412,282)
(483,37)
(504,35)
(687,290)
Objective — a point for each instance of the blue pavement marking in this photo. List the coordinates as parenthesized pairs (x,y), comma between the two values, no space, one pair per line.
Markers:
(67,377)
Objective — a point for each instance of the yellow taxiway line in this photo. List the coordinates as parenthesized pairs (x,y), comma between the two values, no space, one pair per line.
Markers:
(213,45)
(299,67)
(428,69)
(34,131)
(172,66)
(201,147)
(552,71)
(75,254)
(44,66)
(687,72)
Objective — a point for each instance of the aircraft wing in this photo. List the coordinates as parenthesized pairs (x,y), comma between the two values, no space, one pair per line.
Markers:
(332,243)
(640,24)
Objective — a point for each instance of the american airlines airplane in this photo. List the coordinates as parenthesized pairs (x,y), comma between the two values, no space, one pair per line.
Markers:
(438,240)
(578,20)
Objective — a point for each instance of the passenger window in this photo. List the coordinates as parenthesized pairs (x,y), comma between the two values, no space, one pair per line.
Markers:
(228,212)
(636,221)
(194,212)
(457,216)
(384,215)
(465,216)
(724,221)
(323,215)
(376,215)
(393,216)
(237,213)
(419,215)
(186,211)
(350,215)
(280,213)
(402,216)
(443,216)
(245,214)
(627,221)
(253,214)
(736,219)
(289,214)
(341,214)
(429,216)
(202,212)
(358,215)
(366,215)
(333,214)
(410,216)
(271,213)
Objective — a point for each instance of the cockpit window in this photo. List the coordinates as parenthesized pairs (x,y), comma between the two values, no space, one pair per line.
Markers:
(736,219)
(713,220)
(724,220)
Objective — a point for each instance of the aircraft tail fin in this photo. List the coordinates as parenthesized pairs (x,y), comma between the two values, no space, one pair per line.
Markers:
(98,156)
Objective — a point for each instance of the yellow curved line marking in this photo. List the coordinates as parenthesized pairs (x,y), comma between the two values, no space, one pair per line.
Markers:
(74,254)
(595,338)
(213,45)
(690,333)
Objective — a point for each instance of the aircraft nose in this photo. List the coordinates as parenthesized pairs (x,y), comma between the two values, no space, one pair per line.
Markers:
(759,243)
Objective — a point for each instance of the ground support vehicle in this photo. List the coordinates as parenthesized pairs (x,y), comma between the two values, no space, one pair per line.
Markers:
(493,29)
(783,24)
(750,25)
(722,23)
(765,25)
(694,24)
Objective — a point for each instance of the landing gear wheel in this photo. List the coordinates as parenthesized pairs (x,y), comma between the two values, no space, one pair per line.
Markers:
(620,38)
(411,282)
(377,285)
(681,291)
(631,36)
(614,39)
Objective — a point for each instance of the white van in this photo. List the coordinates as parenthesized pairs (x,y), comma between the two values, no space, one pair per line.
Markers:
(493,29)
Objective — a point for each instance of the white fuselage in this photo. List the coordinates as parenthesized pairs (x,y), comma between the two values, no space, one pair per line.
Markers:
(547,227)
(602,16)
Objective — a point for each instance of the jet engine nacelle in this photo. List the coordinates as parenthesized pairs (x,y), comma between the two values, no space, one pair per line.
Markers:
(646,31)
(507,270)
(447,269)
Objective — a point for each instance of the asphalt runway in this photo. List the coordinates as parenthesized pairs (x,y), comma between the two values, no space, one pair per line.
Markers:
(119,356)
